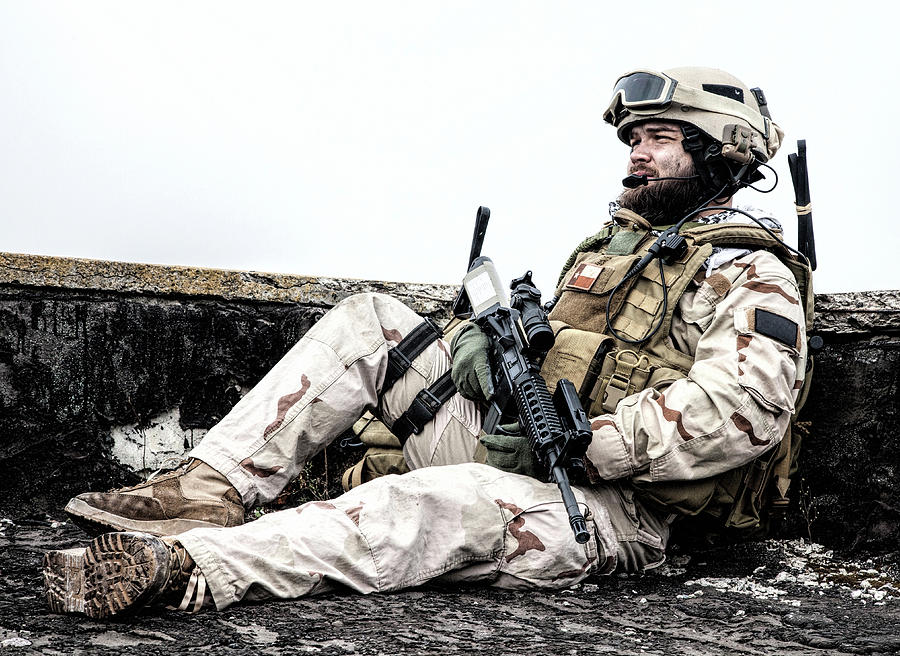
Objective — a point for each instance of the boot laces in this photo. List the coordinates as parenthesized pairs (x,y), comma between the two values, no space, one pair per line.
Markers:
(187,577)
(170,467)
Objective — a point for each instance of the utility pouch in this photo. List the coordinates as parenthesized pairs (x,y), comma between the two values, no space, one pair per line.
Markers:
(745,497)
(741,490)
(585,290)
(577,355)
(384,455)
(683,497)
(624,372)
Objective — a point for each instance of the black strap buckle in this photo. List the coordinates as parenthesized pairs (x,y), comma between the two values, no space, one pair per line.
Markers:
(408,349)
(424,407)
(398,364)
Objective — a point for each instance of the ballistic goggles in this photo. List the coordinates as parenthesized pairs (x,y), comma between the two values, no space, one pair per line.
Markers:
(640,90)
(643,89)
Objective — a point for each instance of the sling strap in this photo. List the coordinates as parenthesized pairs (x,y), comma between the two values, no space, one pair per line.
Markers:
(408,349)
(424,407)
(429,400)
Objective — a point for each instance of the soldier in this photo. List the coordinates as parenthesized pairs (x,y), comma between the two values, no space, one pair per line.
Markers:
(691,372)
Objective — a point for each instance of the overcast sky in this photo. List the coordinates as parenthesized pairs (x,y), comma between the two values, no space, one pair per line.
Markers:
(357,139)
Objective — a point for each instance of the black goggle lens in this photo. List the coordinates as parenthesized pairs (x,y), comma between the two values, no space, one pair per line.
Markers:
(639,87)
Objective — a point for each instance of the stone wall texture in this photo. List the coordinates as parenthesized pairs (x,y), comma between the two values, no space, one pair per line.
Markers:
(109,369)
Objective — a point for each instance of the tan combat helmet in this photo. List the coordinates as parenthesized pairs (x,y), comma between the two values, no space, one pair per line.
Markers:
(721,106)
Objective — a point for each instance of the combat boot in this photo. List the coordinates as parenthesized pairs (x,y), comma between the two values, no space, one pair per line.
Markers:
(119,573)
(193,496)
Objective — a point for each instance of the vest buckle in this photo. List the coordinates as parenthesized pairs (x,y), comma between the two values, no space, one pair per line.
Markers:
(621,383)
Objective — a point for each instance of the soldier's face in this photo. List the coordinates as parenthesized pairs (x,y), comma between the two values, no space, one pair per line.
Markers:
(656,150)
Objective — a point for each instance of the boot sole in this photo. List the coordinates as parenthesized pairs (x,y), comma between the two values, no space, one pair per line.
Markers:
(119,573)
(64,580)
(96,521)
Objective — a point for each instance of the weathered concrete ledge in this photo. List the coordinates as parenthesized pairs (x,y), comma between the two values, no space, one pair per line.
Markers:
(103,358)
(857,314)
(72,274)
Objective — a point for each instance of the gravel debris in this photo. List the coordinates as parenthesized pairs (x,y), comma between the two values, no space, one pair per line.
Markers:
(812,566)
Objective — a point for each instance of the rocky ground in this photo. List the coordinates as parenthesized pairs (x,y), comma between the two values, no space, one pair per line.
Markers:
(774,597)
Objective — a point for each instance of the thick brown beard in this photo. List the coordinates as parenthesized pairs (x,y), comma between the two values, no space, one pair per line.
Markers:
(667,201)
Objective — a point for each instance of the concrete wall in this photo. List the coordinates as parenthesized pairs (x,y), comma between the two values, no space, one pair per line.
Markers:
(850,466)
(108,369)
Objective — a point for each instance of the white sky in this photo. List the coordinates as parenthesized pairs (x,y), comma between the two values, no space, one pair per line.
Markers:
(357,139)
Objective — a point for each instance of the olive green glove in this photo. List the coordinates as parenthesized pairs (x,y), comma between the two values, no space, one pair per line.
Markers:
(510,453)
(471,371)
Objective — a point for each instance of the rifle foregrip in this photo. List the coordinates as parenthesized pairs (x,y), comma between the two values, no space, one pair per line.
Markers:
(537,414)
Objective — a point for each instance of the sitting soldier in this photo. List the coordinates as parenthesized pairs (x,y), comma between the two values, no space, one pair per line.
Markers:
(690,401)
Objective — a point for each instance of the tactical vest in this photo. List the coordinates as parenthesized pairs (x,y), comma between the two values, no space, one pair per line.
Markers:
(606,369)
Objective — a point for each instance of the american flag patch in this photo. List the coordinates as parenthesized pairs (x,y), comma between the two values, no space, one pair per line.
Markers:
(584,276)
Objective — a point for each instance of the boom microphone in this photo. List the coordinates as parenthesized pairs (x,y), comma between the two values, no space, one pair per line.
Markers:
(635,180)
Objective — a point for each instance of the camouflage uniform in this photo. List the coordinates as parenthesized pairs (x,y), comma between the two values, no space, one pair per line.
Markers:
(467,521)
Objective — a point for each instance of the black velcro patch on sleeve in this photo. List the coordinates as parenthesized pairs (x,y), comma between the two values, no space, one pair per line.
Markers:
(777,327)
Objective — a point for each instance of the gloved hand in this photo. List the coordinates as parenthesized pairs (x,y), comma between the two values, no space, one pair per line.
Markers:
(471,371)
(511,453)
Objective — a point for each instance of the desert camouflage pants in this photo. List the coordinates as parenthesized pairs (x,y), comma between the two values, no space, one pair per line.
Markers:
(461,522)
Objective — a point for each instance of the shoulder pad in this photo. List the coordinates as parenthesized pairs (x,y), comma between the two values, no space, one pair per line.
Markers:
(591,243)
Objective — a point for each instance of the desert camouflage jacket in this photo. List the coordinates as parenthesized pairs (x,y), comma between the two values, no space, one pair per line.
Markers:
(740,392)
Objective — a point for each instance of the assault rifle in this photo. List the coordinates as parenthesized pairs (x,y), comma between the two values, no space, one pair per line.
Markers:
(520,335)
